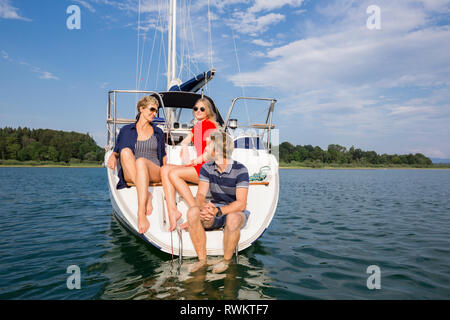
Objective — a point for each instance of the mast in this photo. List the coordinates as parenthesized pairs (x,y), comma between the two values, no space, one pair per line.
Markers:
(172,56)
(172,52)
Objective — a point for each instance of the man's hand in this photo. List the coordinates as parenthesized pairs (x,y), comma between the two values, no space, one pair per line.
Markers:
(208,211)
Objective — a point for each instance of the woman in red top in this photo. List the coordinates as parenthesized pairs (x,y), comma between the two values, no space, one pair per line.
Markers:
(175,177)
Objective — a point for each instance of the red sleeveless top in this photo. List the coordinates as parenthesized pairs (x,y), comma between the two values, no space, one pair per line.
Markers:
(200,133)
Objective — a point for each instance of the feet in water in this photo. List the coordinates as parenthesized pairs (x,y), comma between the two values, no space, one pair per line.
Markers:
(198,265)
(221,266)
(149,206)
(174,215)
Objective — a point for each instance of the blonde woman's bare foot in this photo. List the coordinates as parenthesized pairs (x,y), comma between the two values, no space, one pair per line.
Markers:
(221,266)
(149,206)
(198,265)
(143,224)
(174,215)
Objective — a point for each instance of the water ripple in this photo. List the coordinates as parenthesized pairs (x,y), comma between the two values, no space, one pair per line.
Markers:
(330,225)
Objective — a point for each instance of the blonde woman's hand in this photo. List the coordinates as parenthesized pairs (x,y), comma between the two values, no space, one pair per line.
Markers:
(112,162)
(191,163)
(184,154)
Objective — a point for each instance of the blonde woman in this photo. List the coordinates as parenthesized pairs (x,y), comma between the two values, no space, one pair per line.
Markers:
(140,150)
(175,177)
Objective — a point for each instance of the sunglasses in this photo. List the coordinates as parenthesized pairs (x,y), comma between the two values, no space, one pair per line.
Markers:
(202,109)
(153,109)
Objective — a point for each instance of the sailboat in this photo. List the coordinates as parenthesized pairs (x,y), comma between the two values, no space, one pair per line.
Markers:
(255,151)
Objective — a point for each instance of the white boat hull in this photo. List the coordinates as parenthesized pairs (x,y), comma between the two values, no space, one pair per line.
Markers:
(262,202)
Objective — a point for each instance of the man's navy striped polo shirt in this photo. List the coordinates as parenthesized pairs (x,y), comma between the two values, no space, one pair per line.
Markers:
(222,186)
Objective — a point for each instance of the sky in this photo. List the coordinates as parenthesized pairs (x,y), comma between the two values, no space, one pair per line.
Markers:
(341,71)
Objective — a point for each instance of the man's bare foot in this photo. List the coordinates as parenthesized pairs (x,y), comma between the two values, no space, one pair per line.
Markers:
(143,224)
(174,215)
(184,226)
(149,206)
(221,266)
(198,265)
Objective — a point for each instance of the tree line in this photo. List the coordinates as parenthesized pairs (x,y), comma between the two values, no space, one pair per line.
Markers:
(336,154)
(24,144)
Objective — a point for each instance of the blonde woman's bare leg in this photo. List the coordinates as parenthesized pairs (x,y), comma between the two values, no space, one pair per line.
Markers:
(128,163)
(179,178)
(146,172)
(169,193)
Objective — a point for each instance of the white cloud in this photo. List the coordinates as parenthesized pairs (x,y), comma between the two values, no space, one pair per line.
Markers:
(257,54)
(267,5)
(356,83)
(249,23)
(44,74)
(7,11)
(146,6)
(86,4)
(263,43)
(5,55)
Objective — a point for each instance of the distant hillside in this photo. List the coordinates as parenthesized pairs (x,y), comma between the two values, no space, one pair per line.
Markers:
(440,160)
(336,154)
(24,144)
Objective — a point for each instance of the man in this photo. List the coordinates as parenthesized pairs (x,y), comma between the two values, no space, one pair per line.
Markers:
(228,182)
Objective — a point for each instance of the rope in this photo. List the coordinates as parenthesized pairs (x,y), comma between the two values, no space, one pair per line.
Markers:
(261,175)
(171,242)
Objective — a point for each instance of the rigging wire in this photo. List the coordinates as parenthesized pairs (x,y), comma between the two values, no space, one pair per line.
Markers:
(209,44)
(182,43)
(193,60)
(239,73)
(137,51)
(153,47)
(142,60)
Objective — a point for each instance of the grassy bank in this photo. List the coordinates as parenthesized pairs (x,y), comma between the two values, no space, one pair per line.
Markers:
(320,165)
(52,164)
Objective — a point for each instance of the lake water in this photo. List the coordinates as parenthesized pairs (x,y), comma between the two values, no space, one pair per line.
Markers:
(329,227)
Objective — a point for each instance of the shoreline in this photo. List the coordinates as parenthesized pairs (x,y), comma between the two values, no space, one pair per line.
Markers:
(364,168)
(281,167)
(50,166)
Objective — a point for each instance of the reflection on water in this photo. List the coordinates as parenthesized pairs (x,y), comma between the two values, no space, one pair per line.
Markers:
(135,270)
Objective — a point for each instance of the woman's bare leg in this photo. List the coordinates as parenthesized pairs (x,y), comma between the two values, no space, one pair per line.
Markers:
(128,162)
(179,178)
(146,171)
(169,193)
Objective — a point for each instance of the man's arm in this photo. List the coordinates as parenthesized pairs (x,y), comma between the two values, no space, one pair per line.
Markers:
(237,206)
(202,190)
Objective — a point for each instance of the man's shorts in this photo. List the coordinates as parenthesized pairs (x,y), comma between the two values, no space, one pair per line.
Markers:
(219,222)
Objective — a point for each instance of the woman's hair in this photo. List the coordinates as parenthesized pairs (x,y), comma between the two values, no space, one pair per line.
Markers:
(223,144)
(144,102)
(210,114)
